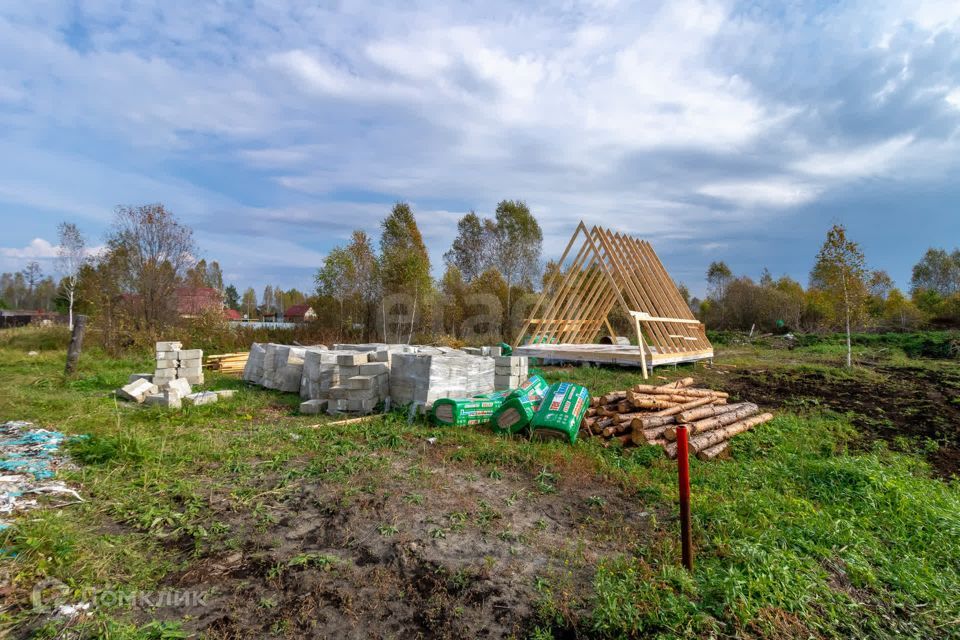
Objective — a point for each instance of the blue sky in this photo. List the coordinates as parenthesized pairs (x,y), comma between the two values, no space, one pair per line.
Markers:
(717,130)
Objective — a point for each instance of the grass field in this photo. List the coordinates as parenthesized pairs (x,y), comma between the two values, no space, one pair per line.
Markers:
(840,518)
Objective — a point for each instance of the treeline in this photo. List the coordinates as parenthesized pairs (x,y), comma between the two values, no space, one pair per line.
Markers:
(386,292)
(383,289)
(28,289)
(841,287)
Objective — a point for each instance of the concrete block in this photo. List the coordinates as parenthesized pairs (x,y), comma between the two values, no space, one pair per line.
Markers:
(168,355)
(361,382)
(167,364)
(338,392)
(188,371)
(191,354)
(225,394)
(155,399)
(137,391)
(374,368)
(201,398)
(336,406)
(189,363)
(169,399)
(362,394)
(181,386)
(351,359)
(381,355)
(140,376)
(362,406)
(163,347)
(198,379)
(313,407)
(349,372)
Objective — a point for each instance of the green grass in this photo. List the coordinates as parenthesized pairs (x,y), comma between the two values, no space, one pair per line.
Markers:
(798,535)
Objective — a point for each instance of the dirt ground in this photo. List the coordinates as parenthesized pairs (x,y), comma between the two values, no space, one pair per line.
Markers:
(448,554)
(893,402)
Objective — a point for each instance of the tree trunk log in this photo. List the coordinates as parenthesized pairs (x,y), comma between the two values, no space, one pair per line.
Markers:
(709,424)
(652,421)
(722,420)
(678,384)
(692,415)
(692,404)
(76,344)
(715,452)
(645,436)
(711,438)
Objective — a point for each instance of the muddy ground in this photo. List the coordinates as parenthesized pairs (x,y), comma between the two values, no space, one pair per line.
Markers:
(448,552)
(907,406)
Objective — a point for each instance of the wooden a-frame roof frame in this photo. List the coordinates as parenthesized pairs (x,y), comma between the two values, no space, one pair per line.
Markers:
(610,269)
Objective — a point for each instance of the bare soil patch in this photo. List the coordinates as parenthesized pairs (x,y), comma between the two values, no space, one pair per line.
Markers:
(917,402)
(444,552)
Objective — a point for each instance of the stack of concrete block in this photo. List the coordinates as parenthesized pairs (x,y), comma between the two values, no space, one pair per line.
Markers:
(174,362)
(320,372)
(282,367)
(253,370)
(344,381)
(484,351)
(191,366)
(168,359)
(137,391)
(433,373)
(511,372)
(379,351)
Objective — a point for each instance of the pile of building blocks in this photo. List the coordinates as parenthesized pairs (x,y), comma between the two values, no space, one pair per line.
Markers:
(432,373)
(484,351)
(358,378)
(510,372)
(282,367)
(176,363)
(345,381)
(170,385)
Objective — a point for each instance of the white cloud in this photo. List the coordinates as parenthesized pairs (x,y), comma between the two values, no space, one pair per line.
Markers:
(38,249)
(775,193)
(953,98)
(854,162)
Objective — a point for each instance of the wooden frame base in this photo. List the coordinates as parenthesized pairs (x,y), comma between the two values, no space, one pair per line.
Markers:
(619,354)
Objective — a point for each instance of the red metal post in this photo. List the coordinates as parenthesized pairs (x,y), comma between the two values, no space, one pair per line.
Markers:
(683,471)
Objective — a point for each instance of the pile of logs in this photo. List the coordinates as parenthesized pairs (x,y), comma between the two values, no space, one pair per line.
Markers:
(649,415)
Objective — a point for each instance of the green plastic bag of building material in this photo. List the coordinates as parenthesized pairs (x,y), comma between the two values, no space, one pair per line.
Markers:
(463,412)
(535,387)
(560,412)
(514,415)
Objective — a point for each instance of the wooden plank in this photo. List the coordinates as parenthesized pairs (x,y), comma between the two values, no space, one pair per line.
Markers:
(648,301)
(543,295)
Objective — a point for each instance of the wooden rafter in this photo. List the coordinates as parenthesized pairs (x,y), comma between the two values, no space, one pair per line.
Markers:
(610,270)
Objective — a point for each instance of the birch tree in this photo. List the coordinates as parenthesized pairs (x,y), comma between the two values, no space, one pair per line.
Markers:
(70,257)
(840,273)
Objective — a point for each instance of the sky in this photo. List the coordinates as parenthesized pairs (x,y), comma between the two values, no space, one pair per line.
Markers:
(735,131)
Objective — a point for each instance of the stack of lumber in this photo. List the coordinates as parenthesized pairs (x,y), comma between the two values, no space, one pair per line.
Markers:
(649,415)
(228,362)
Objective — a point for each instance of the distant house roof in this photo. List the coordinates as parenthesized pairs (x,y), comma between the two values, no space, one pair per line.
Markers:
(195,300)
(298,311)
(232,314)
